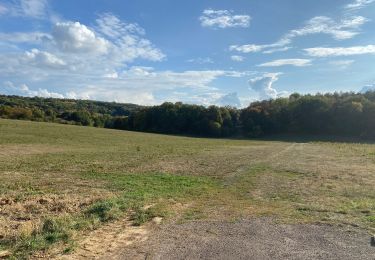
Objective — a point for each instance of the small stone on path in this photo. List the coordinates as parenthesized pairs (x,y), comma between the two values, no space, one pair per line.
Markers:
(157,220)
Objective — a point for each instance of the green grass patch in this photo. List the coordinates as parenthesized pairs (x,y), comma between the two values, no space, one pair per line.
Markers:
(371,219)
(147,187)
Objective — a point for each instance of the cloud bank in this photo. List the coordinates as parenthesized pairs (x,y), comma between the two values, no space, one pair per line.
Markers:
(339,30)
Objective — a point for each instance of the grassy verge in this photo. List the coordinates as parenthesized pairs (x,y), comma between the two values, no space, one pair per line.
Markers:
(135,191)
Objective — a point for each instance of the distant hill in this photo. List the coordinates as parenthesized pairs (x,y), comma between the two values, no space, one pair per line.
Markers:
(70,111)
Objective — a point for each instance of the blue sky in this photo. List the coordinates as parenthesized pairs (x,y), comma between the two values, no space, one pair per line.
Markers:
(203,52)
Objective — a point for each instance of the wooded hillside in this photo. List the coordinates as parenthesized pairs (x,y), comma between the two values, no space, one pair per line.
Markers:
(342,114)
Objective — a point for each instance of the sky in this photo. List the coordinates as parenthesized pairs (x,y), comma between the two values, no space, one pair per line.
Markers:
(199,51)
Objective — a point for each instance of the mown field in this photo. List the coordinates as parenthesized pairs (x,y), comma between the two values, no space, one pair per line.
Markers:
(58,182)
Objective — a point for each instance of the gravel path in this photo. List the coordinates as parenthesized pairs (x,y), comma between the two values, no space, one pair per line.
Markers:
(251,239)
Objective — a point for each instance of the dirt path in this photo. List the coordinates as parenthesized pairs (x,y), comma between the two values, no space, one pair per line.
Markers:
(251,239)
(107,241)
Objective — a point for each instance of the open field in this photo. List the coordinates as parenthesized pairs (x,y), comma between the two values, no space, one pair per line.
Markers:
(60,182)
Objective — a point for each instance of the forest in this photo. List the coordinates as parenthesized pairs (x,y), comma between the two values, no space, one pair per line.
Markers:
(339,114)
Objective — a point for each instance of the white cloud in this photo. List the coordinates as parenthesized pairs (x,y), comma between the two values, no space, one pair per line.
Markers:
(139,71)
(24,90)
(344,29)
(230,99)
(141,85)
(341,30)
(263,85)
(43,59)
(113,75)
(358,4)
(283,62)
(341,64)
(247,48)
(116,94)
(77,61)
(25,37)
(201,60)
(34,8)
(340,51)
(111,44)
(82,49)
(172,79)
(237,58)
(111,26)
(76,37)
(44,93)
(74,95)
(276,50)
(130,48)
(223,19)
(127,40)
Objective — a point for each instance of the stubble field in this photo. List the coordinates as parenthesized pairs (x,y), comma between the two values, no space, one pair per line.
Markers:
(60,183)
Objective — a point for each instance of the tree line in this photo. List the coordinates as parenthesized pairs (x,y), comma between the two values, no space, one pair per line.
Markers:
(340,114)
(65,111)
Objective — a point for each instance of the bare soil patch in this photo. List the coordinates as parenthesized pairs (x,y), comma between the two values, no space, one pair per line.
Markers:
(257,238)
(108,241)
